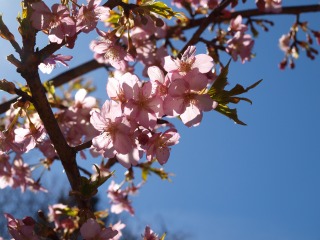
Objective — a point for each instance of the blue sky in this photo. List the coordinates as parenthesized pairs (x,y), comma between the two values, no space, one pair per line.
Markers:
(232,182)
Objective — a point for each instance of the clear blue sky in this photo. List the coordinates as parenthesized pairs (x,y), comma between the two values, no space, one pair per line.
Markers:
(257,182)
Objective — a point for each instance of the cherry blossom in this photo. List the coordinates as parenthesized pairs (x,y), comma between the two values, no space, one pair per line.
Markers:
(21,229)
(159,143)
(107,50)
(114,130)
(269,5)
(187,99)
(149,234)
(58,22)
(119,199)
(50,63)
(189,61)
(240,45)
(143,104)
(118,227)
(88,16)
(237,25)
(284,42)
(91,230)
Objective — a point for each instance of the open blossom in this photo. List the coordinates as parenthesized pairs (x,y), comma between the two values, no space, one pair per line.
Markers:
(114,130)
(115,86)
(149,234)
(188,62)
(237,25)
(89,15)
(159,143)
(119,199)
(21,229)
(50,63)
(58,22)
(6,174)
(144,105)
(91,230)
(269,5)
(187,99)
(107,50)
(284,42)
(28,138)
(118,227)
(160,82)
(240,45)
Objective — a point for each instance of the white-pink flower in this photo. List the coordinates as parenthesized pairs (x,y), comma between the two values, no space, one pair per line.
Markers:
(240,45)
(143,104)
(284,42)
(50,63)
(91,230)
(159,143)
(119,199)
(58,22)
(186,97)
(107,50)
(188,62)
(269,5)
(89,15)
(237,25)
(114,130)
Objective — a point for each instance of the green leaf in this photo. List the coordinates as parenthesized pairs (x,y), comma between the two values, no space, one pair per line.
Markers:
(161,9)
(221,82)
(231,113)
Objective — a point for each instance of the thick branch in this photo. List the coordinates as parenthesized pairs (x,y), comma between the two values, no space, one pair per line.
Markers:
(249,13)
(205,23)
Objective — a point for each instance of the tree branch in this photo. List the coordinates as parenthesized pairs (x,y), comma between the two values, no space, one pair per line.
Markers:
(205,23)
(246,14)
(62,79)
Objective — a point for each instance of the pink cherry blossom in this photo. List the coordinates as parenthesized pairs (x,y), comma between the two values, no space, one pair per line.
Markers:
(91,230)
(6,174)
(50,63)
(269,5)
(89,15)
(149,234)
(187,99)
(114,130)
(144,105)
(118,227)
(159,81)
(119,199)
(158,145)
(284,42)
(21,229)
(237,25)
(107,50)
(28,138)
(115,86)
(240,45)
(188,62)
(58,22)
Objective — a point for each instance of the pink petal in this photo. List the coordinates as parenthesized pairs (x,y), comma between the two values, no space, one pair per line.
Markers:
(163,155)
(155,74)
(192,116)
(203,62)
(169,64)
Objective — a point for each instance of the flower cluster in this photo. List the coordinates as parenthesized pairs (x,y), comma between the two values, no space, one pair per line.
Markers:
(130,121)
(240,44)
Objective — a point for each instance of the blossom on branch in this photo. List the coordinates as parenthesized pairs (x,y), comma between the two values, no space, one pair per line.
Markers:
(50,63)
(269,5)
(57,23)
